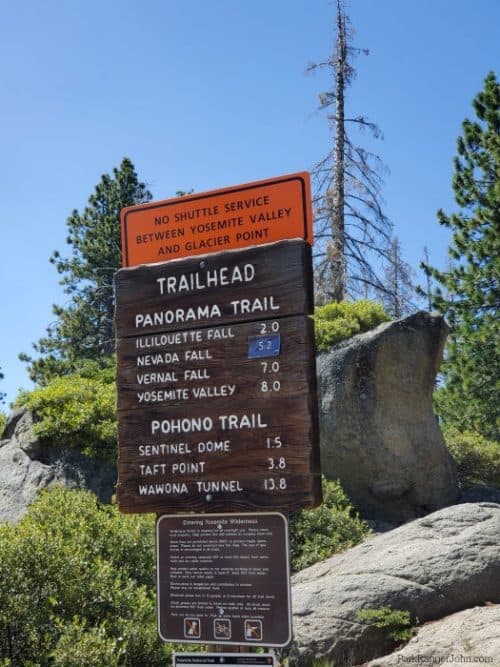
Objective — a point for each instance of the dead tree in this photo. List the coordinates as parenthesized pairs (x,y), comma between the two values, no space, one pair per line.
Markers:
(399,290)
(351,230)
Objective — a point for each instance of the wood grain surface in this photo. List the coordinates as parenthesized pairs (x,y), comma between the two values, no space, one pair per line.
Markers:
(207,290)
(168,370)
(205,423)
(246,442)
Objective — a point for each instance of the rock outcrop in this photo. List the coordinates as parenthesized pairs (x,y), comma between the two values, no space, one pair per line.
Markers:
(27,466)
(467,637)
(435,566)
(379,434)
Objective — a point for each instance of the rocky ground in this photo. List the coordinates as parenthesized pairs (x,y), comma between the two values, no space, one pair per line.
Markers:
(467,637)
(434,567)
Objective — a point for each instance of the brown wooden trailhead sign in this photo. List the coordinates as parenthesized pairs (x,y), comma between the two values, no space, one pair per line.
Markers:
(223,579)
(216,383)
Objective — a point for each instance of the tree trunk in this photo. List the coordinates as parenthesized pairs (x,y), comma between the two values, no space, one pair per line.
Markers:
(336,250)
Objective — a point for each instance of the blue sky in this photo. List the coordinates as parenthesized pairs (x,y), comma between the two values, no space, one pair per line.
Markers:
(204,95)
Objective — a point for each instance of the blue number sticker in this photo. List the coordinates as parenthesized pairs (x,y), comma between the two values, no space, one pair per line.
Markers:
(264,346)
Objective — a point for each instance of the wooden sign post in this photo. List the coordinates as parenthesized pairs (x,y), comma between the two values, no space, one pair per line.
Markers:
(216,383)
(217,404)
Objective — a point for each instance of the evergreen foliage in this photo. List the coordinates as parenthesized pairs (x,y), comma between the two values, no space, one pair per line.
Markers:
(469,291)
(2,395)
(321,532)
(76,586)
(335,322)
(396,622)
(78,411)
(477,458)
(84,329)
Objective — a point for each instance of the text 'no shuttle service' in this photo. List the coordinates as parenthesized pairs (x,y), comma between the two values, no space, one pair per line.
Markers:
(231,218)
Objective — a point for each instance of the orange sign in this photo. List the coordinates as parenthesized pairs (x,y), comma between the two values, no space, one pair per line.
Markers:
(235,217)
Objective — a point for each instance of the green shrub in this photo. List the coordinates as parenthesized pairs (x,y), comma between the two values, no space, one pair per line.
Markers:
(76,586)
(396,622)
(87,647)
(77,411)
(456,409)
(335,322)
(3,421)
(319,533)
(477,459)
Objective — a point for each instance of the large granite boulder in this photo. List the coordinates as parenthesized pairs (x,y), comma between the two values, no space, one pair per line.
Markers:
(467,637)
(432,567)
(379,434)
(27,466)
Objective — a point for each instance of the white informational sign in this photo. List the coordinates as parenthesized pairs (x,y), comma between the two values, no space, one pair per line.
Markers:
(226,659)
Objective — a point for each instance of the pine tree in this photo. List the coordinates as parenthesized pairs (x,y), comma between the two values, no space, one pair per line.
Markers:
(351,230)
(469,295)
(84,329)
